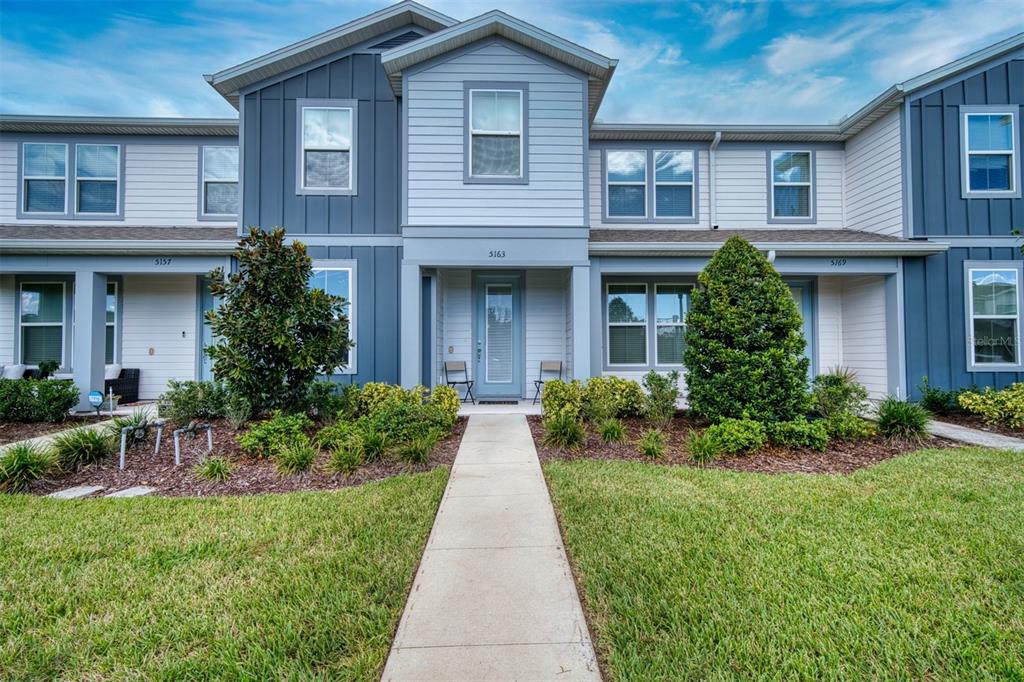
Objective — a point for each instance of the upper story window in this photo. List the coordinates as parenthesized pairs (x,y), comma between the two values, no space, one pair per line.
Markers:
(97,176)
(673,184)
(326,144)
(496,145)
(626,180)
(993,315)
(44,174)
(792,186)
(990,159)
(220,181)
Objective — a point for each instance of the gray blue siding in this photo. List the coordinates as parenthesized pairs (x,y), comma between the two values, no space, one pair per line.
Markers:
(937,205)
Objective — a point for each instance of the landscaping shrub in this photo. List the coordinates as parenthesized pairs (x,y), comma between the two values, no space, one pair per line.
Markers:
(188,401)
(402,420)
(296,457)
(446,400)
(744,352)
(563,430)
(237,411)
(274,333)
(333,436)
(799,433)
(324,401)
(270,437)
(214,469)
(417,450)
(612,396)
(1005,407)
(375,444)
(652,444)
(939,400)
(901,419)
(704,448)
(611,430)
(23,464)
(373,394)
(134,420)
(562,397)
(737,435)
(846,426)
(36,400)
(838,392)
(81,446)
(346,457)
(662,394)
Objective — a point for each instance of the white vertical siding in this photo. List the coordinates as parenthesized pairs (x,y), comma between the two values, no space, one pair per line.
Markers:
(159,315)
(8,325)
(437,194)
(596,182)
(457,325)
(864,333)
(830,323)
(8,180)
(545,318)
(874,178)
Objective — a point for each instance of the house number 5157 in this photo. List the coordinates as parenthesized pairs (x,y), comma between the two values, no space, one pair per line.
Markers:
(161,261)
(496,253)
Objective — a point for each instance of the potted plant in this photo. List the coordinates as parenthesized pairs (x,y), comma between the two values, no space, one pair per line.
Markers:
(47,368)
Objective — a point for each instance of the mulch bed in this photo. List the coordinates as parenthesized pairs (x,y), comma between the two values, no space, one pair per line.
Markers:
(12,432)
(976,422)
(839,458)
(249,475)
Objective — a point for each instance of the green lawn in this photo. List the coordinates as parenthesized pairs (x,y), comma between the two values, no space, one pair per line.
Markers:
(912,569)
(302,585)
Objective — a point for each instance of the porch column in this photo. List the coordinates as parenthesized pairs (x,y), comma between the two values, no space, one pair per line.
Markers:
(580,321)
(90,334)
(411,327)
(895,346)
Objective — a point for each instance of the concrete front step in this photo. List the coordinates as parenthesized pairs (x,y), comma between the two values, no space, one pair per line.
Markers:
(75,493)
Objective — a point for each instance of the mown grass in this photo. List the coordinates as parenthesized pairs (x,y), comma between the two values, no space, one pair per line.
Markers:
(912,569)
(301,585)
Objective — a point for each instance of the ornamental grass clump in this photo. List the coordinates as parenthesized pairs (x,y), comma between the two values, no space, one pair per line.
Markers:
(563,430)
(81,446)
(24,464)
(612,430)
(346,457)
(901,419)
(214,469)
(744,351)
(296,457)
(703,447)
(652,444)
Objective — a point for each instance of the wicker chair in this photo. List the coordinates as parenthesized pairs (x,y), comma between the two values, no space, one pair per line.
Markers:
(125,385)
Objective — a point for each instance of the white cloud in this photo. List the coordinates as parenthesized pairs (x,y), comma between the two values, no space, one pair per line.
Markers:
(791,53)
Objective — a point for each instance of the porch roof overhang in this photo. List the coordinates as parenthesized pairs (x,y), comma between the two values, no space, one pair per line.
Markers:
(799,242)
(114,240)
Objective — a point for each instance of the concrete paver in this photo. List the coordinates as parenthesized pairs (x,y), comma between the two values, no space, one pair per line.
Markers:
(76,492)
(135,491)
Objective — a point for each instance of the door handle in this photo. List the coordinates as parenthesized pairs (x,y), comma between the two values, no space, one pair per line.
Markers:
(479,350)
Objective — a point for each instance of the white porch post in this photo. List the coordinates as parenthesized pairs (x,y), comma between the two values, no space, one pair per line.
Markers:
(895,340)
(581,322)
(89,334)
(411,328)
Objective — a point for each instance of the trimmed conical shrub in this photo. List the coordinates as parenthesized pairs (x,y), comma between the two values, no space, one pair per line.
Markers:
(744,340)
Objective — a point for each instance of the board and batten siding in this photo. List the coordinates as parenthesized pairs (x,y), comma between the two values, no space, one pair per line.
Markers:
(874,178)
(159,315)
(8,325)
(436,192)
(938,206)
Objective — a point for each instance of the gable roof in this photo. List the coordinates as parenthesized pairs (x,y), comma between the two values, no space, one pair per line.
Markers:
(229,81)
(597,67)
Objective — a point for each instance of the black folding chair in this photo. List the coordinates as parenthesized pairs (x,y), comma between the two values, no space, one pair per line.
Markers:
(549,370)
(453,370)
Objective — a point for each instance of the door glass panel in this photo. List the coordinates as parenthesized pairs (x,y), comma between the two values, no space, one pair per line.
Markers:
(498,334)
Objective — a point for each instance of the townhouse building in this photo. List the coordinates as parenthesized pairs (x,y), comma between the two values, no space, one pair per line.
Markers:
(451,180)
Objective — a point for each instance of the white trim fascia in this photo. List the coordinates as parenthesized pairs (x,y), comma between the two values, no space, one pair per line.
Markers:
(819,248)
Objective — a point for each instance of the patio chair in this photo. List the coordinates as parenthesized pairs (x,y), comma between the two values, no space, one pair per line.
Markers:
(456,374)
(549,371)
(126,385)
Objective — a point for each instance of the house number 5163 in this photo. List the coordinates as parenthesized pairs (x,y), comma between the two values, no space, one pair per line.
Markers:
(496,253)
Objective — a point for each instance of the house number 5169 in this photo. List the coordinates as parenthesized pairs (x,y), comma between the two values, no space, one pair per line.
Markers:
(499,253)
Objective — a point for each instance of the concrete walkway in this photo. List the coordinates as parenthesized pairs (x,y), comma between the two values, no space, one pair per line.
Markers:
(494,598)
(965,434)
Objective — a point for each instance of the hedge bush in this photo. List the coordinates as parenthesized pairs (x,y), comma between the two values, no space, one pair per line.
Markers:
(940,400)
(1005,407)
(662,395)
(36,400)
(372,394)
(737,435)
(562,397)
(744,352)
(268,438)
(799,433)
(846,426)
(612,397)
(187,401)
(838,391)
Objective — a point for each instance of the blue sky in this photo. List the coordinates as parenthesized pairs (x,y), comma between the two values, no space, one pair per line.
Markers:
(682,62)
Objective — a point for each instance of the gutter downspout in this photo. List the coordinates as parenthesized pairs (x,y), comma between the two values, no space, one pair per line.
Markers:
(712,198)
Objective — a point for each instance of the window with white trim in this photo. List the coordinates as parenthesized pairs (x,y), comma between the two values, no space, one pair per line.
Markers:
(110,345)
(41,322)
(496,148)
(97,178)
(626,310)
(220,181)
(671,303)
(340,281)
(626,183)
(327,148)
(990,150)
(993,307)
(792,184)
(44,177)
(673,183)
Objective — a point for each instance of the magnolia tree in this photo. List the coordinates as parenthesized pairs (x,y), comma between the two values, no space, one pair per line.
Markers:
(274,334)
(744,353)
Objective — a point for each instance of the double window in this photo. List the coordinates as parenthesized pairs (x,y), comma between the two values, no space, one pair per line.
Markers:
(629,323)
(97,179)
(630,195)
(42,319)
(326,143)
(496,125)
(339,280)
(993,316)
(220,181)
(791,176)
(990,159)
